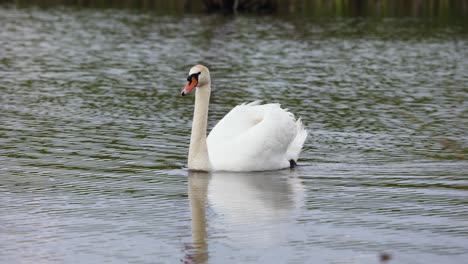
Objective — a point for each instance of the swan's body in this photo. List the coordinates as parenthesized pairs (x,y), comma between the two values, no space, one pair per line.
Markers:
(251,137)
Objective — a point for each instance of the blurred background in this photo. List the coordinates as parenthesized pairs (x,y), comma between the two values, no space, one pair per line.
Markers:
(444,9)
(94,133)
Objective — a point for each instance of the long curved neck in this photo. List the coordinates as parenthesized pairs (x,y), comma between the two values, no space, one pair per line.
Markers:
(198,152)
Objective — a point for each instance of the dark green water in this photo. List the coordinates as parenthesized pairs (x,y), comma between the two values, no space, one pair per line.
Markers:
(94,138)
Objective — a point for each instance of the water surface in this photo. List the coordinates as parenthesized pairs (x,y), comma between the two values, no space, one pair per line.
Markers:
(94,138)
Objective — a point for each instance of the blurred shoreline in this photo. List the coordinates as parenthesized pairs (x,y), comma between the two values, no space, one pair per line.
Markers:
(442,9)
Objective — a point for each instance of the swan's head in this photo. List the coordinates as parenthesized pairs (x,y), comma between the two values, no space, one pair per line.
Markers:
(199,76)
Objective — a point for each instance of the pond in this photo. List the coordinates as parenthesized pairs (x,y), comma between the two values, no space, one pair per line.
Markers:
(94,138)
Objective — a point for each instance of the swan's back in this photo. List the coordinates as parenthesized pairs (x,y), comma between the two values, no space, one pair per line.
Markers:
(254,137)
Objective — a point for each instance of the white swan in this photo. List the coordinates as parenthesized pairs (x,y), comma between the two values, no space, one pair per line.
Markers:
(251,137)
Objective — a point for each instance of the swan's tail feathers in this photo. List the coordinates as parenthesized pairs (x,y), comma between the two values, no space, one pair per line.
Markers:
(295,147)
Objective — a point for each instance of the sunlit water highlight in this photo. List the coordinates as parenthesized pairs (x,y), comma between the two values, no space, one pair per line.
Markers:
(94,139)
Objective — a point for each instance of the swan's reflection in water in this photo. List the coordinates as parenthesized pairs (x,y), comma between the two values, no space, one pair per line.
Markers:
(245,210)
(197,189)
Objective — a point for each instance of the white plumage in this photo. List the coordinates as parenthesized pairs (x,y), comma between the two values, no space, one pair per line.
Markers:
(251,137)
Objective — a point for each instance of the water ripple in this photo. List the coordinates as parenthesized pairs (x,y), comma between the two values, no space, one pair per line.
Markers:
(94,138)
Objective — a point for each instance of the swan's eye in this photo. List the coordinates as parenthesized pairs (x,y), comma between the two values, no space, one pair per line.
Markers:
(191,76)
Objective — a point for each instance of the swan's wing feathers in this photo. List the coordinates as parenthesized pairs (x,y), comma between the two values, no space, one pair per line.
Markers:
(240,119)
(258,102)
(257,137)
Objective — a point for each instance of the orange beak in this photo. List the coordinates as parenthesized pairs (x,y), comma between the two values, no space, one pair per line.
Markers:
(192,83)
